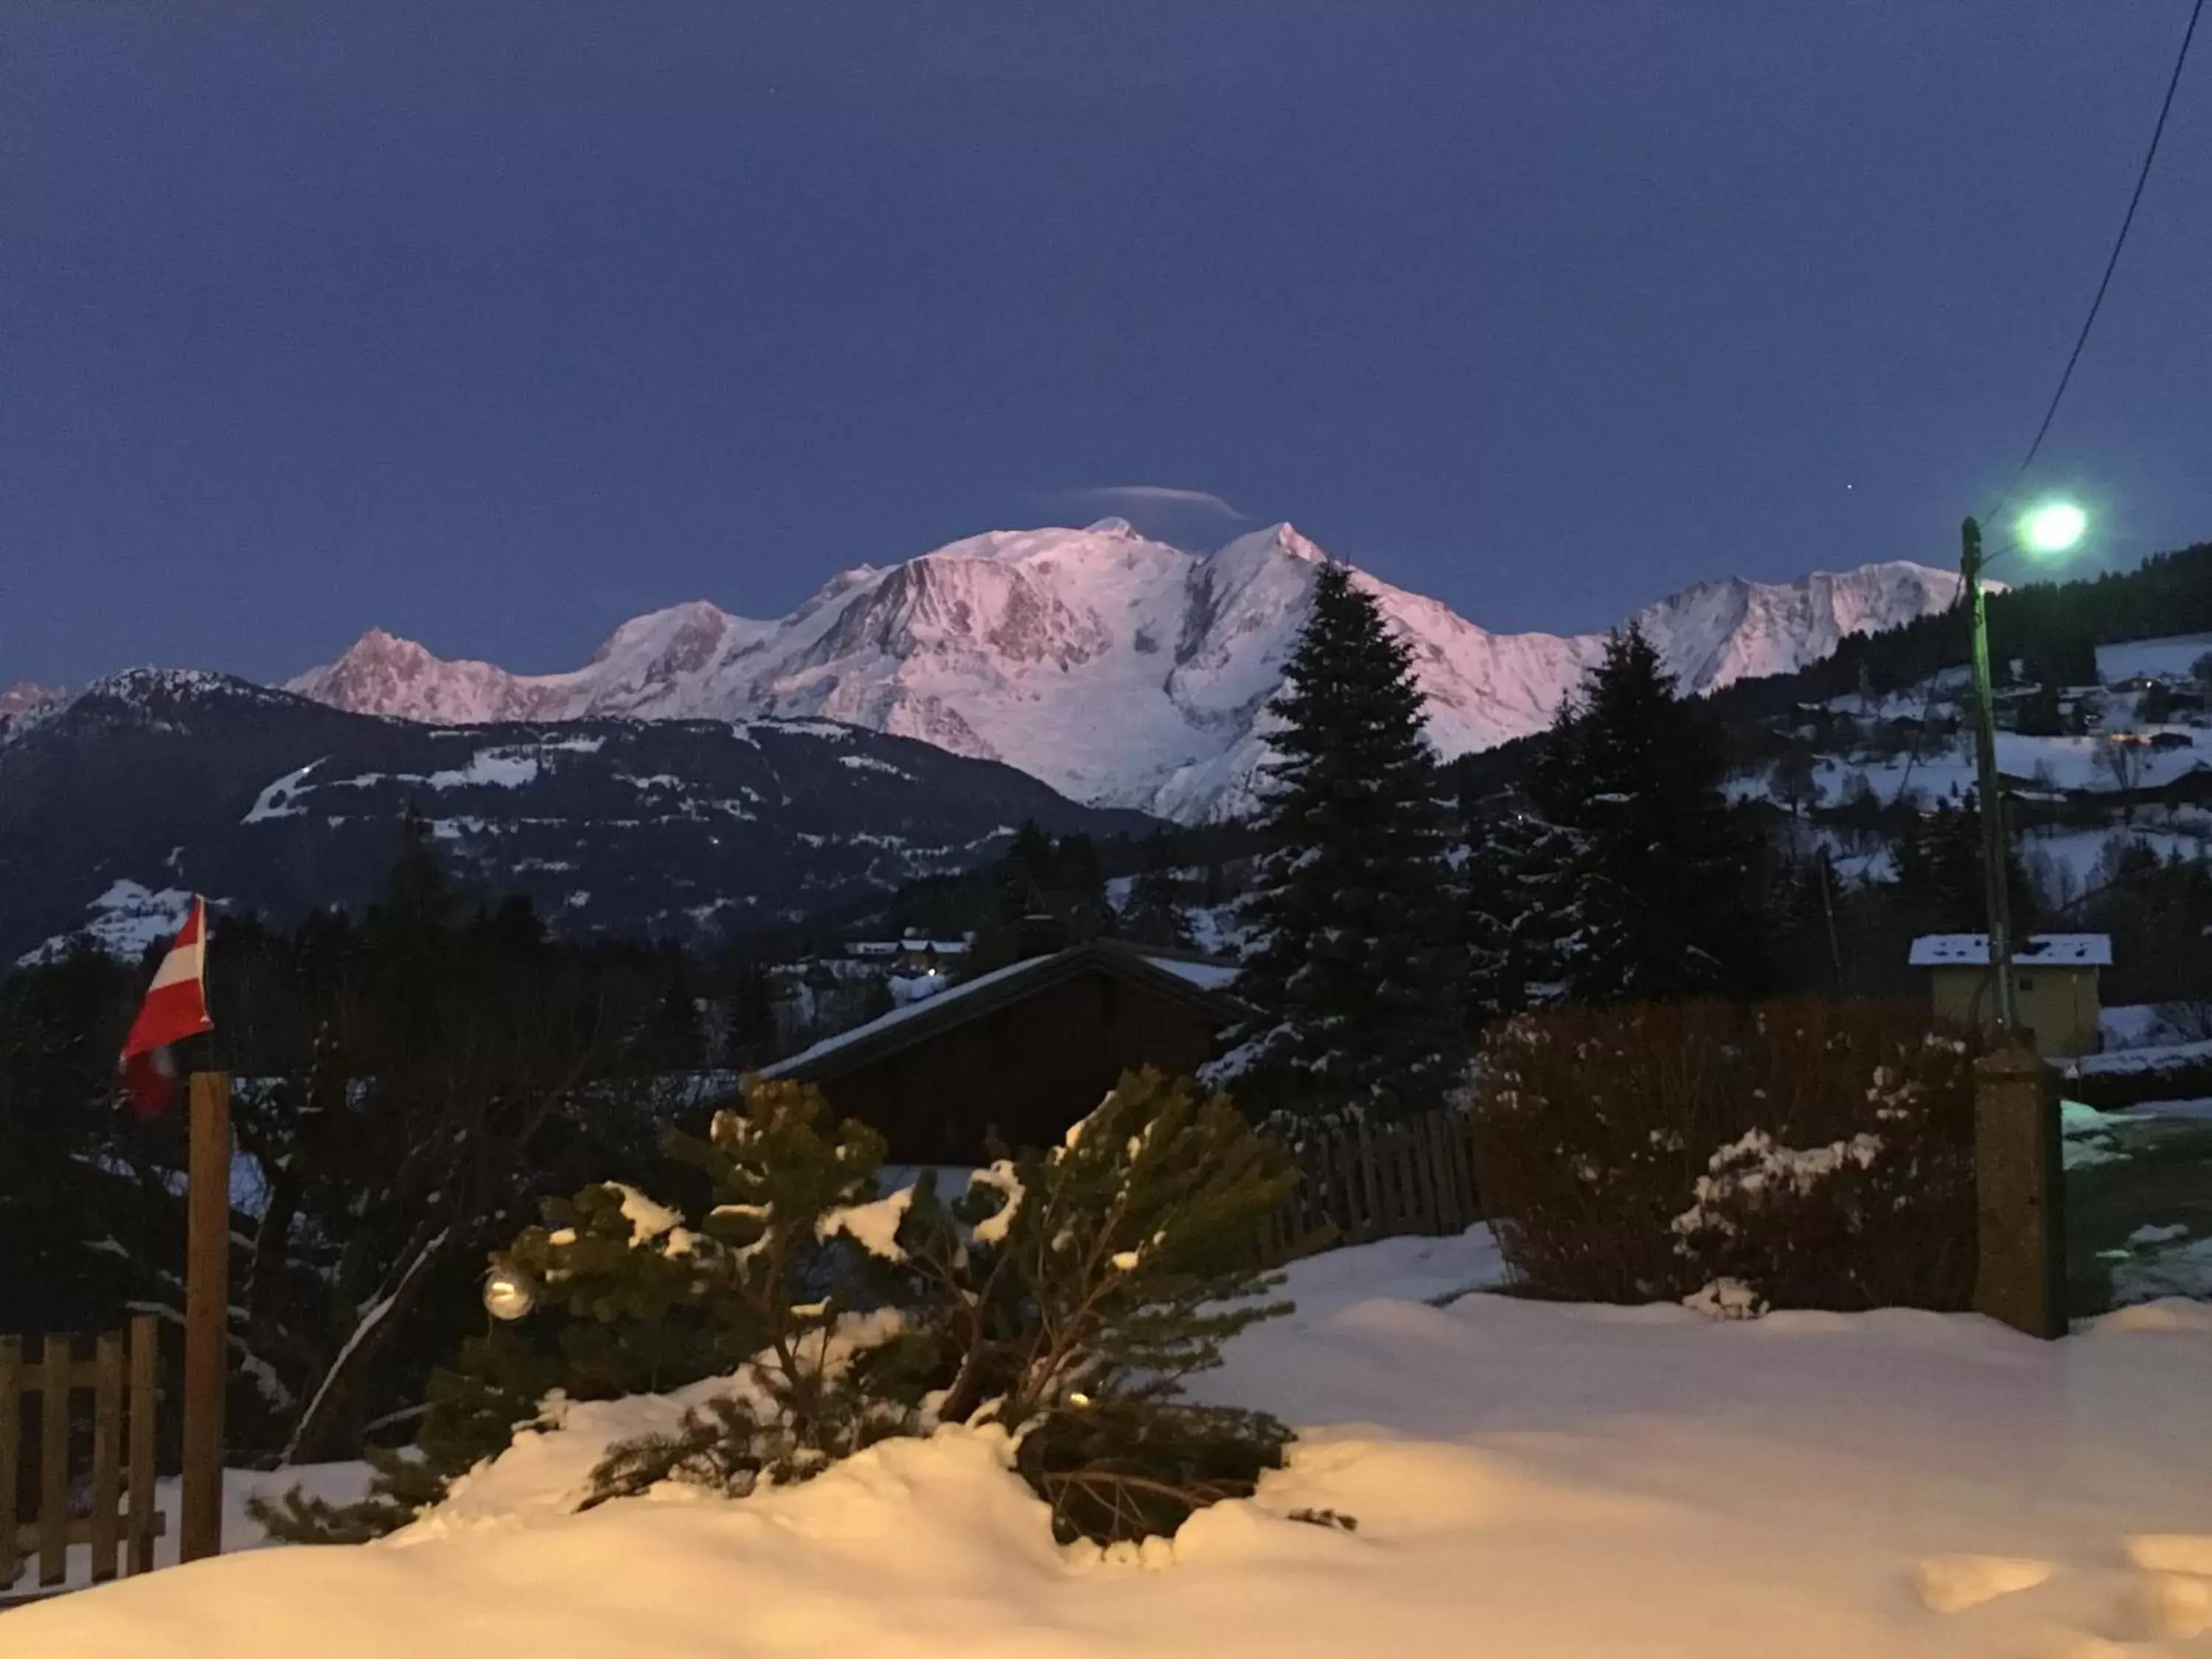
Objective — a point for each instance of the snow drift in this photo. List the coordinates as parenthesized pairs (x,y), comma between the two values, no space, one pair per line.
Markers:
(1528,1479)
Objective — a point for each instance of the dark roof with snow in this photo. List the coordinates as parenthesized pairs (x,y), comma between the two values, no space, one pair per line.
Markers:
(2037,951)
(1189,978)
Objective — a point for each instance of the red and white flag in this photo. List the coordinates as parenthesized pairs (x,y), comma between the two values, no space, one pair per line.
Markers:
(175,1008)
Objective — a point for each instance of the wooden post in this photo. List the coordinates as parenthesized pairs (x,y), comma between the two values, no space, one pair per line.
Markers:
(2019,1194)
(11,1468)
(145,1393)
(107,1451)
(1362,1151)
(207,1298)
(54,1459)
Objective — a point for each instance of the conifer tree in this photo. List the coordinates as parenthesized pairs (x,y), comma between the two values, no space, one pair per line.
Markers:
(1939,885)
(753,1027)
(1045,895)
(1065,1293)
(1357,972)
(1664,870)
(1519,905)
(1154,913)
(1805,937)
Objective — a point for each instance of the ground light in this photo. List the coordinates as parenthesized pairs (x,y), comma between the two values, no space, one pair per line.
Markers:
(509,1293)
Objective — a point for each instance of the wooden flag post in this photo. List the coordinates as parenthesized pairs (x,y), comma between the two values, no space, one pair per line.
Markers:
(207,1300)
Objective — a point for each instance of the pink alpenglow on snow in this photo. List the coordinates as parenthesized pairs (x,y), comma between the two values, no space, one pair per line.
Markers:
(1121,670)
(1530,1479)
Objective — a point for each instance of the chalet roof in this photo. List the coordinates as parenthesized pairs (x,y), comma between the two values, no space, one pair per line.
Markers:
(1185,979)
(2037,951)
(912,944)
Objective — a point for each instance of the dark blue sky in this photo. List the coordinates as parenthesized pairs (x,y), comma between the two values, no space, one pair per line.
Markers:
(497,323)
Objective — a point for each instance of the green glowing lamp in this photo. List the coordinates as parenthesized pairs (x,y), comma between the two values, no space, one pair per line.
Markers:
(2052,527)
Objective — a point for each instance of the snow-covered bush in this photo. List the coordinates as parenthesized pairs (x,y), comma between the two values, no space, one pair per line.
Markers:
(1064,1294)
(1818,1154)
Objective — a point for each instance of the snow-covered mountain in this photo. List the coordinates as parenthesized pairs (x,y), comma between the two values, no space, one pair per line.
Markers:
(22,697)
(1121,670)
(23,704)
(154,784)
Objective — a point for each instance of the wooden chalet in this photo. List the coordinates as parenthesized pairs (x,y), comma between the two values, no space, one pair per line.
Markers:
(1026,1050)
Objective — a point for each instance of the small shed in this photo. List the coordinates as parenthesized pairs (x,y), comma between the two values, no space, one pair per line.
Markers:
(1026,1050)
(2056,975)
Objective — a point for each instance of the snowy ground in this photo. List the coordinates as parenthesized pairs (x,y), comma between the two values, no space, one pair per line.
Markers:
(1947,771)
(2135,1025)
(2138,1201)
(1939,769)
(2148,1057)
(2172,657)
(339,1482)
(1530,1479)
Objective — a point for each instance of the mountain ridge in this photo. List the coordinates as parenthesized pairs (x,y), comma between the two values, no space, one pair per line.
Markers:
(154,783)
(1121,670)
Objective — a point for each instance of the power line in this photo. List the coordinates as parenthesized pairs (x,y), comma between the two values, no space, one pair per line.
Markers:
(2142,177)
(2066,376)
(2073,357)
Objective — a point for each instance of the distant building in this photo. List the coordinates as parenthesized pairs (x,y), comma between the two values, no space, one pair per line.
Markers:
(2056,975)
(917,953)
(1026,1050)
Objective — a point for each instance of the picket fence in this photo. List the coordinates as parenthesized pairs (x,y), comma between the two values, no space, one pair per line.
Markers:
(111,1512)
(1363,1181)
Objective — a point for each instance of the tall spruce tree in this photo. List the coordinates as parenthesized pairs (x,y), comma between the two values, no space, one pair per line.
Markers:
(1154,913)
(1940,884)
(1664,869)
(1357,972)
(1519,903)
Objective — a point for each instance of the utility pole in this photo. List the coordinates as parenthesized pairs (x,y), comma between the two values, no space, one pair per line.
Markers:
(2020,1179)
(1994,860)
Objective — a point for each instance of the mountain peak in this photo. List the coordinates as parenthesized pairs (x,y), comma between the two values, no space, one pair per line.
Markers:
(23,697)
(382,673)
(1118,669)
(691,630)
(142,687)
(1263,544)
(376,645)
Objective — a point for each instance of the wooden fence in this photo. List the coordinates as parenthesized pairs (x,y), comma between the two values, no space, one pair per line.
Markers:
(1380,1181)
(112,1514)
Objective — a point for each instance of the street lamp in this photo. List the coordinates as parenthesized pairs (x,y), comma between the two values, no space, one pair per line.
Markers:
(2049,527)
(2052,526)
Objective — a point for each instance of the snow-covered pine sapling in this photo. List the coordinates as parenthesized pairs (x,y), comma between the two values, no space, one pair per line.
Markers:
(1133,1247)
(1137,1240)
(1064,1294)
(630,1293)
(637,1290)
(966,1277)
(791,1254)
